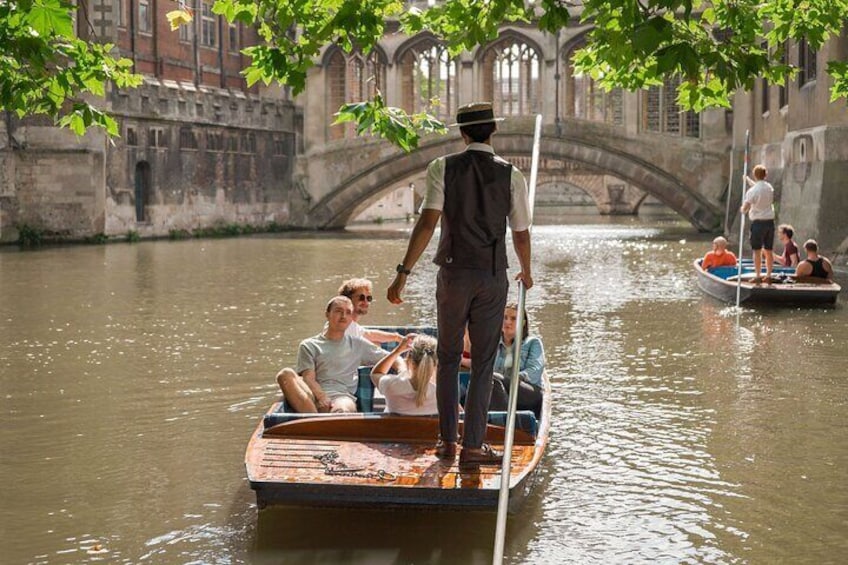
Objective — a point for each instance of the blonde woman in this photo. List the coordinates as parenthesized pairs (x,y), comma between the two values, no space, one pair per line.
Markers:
(413,391)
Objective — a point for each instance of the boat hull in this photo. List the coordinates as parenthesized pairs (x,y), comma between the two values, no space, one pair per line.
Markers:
(379,460)
(784,292)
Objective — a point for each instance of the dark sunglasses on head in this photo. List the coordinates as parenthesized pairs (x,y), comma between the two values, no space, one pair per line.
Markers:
(368,297)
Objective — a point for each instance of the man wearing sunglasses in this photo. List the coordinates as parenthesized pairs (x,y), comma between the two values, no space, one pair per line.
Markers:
(360,293)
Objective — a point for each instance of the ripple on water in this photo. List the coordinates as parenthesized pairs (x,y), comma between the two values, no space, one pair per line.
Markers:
(684,431)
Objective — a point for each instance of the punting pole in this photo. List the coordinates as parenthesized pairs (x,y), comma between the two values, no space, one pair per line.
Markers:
(724,229)
(742,217)
(509,435)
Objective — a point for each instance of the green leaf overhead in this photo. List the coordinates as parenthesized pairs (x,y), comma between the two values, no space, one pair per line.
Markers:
(45,68)
(715,47)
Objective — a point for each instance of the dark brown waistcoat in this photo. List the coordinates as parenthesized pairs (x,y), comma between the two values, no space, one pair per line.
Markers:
(474,216)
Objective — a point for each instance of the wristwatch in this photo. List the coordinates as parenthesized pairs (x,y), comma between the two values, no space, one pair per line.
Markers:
(401,269)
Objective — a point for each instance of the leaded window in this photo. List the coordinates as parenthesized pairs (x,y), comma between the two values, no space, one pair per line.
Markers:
(661,112)
(144,14)
(807,63)
(782,98)
(233,43)
(511,77)
(592,102)
(429,80)
(352,78)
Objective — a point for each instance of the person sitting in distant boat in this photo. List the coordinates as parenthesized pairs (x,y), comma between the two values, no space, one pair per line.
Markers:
(719,256)
(531,365)
(814,268)
(325,377)
(359,292)
(790,257)
(411,392)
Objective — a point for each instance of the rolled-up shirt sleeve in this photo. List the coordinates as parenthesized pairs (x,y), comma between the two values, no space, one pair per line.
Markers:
(519,212)
(434,198)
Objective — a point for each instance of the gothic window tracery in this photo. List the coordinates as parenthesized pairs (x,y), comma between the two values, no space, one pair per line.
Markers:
(511,77)
(662,114)
(352,78)
(429,80)
(589,101)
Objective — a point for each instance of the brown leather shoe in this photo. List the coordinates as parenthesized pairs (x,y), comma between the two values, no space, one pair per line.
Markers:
(445,449)
(485,455)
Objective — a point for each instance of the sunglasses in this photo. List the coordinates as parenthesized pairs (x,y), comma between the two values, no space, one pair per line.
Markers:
(367,297)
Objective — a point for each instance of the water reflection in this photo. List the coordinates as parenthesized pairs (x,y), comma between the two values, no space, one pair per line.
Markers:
(132,375)
(303,536)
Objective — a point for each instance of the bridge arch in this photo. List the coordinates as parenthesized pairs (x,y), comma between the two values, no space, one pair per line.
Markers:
(580,187)
(339,202)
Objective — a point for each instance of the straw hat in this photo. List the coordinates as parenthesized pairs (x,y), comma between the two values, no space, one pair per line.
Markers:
(475,113)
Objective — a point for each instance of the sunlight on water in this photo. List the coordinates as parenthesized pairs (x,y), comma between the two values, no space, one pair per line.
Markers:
(685,430)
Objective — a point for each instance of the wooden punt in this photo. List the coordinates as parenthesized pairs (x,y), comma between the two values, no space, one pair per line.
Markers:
(375,459)
(784,289)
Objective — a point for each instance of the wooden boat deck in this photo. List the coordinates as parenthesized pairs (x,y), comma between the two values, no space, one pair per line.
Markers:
(376,460)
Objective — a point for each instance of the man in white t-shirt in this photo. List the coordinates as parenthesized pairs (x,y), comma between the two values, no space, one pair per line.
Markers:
(326,375)
(360,293)
(759,205)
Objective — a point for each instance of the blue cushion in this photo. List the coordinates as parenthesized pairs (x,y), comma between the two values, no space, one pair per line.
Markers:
(525,420)
(365,391)
(723,272)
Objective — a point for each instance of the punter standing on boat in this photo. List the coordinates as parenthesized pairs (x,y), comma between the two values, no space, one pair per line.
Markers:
(474,194)
(759,205)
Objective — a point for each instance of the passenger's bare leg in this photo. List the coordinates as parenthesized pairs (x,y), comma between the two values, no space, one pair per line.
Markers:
(758,263)
(342,404)
(769,263)
(296,392)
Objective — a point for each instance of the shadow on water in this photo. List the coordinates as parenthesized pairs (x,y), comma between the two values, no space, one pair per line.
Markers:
(335,535)
(318,535)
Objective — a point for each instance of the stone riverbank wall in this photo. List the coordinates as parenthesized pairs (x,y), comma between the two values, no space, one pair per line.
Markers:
(188,157)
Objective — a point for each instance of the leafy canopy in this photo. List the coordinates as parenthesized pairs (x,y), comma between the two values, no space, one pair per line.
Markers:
(717,47)
(45,67)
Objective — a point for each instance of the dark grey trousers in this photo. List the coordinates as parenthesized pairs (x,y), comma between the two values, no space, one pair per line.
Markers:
(476,298)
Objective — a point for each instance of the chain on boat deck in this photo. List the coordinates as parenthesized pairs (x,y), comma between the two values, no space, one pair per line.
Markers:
(375,463)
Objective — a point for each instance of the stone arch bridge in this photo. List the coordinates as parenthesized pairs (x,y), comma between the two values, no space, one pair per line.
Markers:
(686,174)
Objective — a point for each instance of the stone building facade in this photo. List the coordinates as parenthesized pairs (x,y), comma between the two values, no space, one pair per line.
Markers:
(802,139)
(523,71)
(197,148)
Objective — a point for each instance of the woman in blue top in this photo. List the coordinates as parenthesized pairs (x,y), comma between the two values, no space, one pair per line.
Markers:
(531,365)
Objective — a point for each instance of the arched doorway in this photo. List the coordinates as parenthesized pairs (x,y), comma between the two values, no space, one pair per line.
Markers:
(142,190)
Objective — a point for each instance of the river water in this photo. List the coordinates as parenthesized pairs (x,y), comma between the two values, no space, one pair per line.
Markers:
(131,377)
